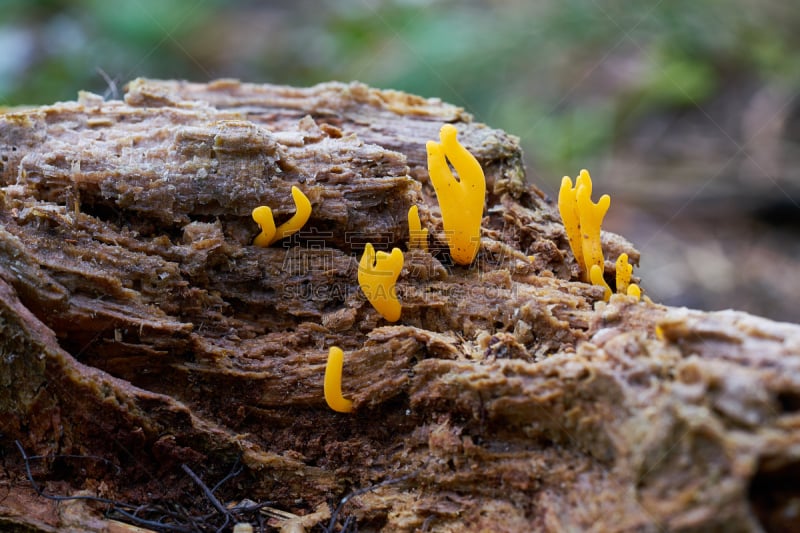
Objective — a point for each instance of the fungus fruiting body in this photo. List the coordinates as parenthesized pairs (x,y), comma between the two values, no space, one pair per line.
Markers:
(568,208)
(582,221)
(417,237)
(263,217)
(591,216)
(332,385)
(596,277)
(634,291)
(377,275)
(461,200)
(624,271)
(269,233)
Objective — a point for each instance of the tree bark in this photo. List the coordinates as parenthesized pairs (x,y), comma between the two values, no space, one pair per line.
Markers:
(143,335)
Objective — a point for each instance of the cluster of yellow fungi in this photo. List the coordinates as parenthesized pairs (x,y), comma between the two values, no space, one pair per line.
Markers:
(461,201)
(582,221)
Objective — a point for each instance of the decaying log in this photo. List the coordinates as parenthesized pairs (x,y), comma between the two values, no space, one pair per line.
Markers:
(143,336)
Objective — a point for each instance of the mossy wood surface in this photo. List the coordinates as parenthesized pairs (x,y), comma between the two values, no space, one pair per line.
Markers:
(139,325)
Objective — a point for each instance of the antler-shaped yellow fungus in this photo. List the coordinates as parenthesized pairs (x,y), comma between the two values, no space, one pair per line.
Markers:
(592,215)
(461,201)
(333,382)
(582,220)
(417,237)
(263,217)
(377,275)
(568,207)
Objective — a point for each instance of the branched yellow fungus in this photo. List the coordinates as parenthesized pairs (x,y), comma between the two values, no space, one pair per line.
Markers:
(377,275)
(568,207)
(461,200)
(624,271)
(591,215)
(582,220)
(263,217)
(417,237)
(333,382)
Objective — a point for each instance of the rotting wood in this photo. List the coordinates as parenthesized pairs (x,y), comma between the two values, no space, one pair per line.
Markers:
(138,324)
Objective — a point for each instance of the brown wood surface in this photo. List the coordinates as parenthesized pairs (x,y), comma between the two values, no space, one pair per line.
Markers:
(142,333)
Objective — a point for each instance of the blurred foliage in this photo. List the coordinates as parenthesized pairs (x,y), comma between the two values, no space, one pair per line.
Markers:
(565,75)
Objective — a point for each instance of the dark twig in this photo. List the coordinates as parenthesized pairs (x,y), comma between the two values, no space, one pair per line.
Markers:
(359,492)
(96,458)
(40,491)
(237,469)
(153,524)
(209,494)
(159,518)
(348,523)
(116,506)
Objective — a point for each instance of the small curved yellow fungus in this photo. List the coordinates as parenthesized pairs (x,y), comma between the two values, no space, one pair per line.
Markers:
(332,385)
(596,277)
(634,290)
(418,237)
(263,217)
(624,271)
(461,200)
(377,275)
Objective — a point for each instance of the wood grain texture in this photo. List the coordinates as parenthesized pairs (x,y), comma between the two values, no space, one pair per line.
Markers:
(139,324)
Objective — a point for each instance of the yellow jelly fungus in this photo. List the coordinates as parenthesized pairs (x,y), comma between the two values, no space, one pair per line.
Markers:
(263,217)
(377,275)
(418,237)
(596,277)
(624,271)
(591,219)
(568,207)
(582,220)
(333,382)
(634,290)
(461,201)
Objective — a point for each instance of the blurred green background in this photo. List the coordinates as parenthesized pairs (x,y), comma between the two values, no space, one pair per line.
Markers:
(686,112)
